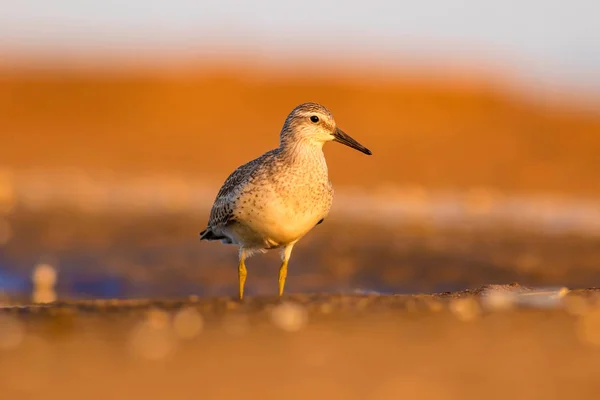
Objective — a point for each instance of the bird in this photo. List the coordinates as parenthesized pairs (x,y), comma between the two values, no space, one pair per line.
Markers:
(274,200)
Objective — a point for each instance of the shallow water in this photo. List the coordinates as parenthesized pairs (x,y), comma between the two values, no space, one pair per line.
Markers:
(116,238)
(160,256)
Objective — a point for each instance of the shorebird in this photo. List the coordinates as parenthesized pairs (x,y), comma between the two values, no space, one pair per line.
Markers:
(273,201)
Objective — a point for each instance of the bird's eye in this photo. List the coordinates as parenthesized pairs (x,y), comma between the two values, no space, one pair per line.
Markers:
(314,119)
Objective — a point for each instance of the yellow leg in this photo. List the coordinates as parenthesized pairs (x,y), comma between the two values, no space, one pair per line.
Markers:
(282,276)
(285,257)
(242,272)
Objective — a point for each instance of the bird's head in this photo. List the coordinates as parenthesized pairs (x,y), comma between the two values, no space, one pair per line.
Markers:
(313,124)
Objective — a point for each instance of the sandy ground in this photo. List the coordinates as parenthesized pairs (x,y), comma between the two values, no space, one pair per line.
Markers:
(452,346)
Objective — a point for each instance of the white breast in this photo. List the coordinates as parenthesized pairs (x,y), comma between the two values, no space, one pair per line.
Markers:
(279,217)
(284,200)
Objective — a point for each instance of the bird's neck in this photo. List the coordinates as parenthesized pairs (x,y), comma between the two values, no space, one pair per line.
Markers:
(304,152)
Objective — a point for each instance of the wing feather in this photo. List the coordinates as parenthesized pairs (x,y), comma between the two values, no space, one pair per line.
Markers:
(223,209)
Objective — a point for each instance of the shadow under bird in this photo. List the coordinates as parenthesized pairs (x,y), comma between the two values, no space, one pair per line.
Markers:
(273,201)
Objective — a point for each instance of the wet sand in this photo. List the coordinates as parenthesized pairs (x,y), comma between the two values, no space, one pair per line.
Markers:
(450,346)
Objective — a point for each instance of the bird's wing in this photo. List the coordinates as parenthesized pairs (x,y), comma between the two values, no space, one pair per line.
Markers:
(222,212)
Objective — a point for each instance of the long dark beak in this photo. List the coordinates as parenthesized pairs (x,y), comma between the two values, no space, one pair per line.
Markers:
(342,137)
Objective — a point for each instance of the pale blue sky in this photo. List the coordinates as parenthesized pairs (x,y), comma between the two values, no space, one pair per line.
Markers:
(549,39)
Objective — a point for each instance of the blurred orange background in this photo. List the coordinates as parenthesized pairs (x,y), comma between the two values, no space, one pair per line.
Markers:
(447,132)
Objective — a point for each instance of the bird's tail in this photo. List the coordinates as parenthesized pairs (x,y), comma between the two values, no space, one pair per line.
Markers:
(208,234)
